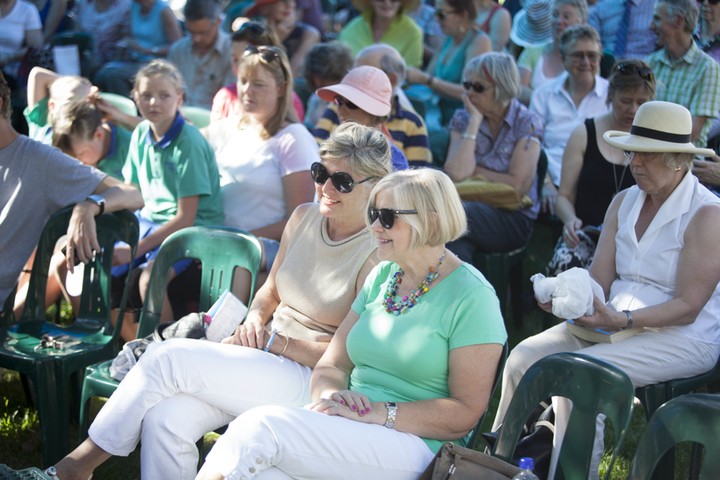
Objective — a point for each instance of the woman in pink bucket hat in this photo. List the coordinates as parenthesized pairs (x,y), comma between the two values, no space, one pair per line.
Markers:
(364,96)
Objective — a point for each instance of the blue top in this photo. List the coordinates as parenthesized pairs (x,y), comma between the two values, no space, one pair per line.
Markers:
(147,29)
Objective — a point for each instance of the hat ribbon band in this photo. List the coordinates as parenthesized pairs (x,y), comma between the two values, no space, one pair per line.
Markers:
(659,135)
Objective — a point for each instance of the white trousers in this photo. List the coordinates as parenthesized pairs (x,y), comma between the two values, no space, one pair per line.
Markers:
(647,358)
(183,388)
(275,442)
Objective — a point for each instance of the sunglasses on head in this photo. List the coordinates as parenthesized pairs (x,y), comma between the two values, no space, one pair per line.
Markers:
(645,73)
(386,216)
(342,181)
(267,54)
(442,15)
(476,86)
(340,101)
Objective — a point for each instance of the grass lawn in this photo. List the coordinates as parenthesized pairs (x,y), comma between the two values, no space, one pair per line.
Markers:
(20,440)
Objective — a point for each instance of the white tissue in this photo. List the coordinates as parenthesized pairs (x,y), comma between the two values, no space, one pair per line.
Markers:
(571,292)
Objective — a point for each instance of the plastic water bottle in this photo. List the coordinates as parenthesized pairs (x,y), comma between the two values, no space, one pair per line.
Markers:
(526,465)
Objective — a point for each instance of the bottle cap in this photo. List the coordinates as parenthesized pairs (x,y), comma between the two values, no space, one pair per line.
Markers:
(527,463)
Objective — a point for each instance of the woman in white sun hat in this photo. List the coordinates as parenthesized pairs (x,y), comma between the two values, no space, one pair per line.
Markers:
(657,263)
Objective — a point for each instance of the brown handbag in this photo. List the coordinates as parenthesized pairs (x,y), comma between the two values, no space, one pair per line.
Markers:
(459,463)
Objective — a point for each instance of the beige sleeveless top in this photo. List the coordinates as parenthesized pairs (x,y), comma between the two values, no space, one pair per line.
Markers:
(317,279)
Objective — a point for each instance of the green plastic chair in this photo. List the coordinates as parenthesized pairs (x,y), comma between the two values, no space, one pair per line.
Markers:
(220,250)
(50,369)
(689,418)
(592,385)
(198,116)
(122,103)
(471,438)
(503,269)
(653,396)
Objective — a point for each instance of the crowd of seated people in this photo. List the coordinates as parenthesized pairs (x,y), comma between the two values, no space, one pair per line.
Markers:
(505,100)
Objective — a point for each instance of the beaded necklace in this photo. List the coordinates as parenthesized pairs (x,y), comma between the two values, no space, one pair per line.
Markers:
(408,301)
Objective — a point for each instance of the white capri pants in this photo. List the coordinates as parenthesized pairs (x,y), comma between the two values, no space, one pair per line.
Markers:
(273,442)
(183,388)
(653,356)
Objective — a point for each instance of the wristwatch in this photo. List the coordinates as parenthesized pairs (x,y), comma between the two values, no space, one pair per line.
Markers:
(99,201)
(391,414)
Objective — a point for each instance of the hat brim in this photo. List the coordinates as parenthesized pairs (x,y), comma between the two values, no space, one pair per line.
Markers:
(358,97)
(523,35)
(637,143)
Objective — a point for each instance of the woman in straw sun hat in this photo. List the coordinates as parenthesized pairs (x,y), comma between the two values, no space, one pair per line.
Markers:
(657,263)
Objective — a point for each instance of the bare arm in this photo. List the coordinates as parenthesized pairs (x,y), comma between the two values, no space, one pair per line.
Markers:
(185,217)
(500,30)
(171,28)
(697,125)
(39,82)
(572,163)
(310,37)
(34,39)
(698,273)
(460,161)
(54,17)
(298,188)
(82,237)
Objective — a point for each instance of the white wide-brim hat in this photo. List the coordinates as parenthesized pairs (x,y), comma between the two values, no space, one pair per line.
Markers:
(531,26)
(658,127)
(367,87)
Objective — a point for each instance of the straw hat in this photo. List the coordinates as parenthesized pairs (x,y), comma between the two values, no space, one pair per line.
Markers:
(367,87)
(658,127)
(531,25)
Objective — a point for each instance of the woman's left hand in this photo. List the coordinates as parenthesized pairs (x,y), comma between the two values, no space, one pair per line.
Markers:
(604,317)
(348,404)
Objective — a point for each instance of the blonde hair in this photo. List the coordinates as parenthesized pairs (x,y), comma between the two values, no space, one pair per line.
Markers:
(160,68)
(440,214)
(366,149)
(75,120)
(280,70)
(67,89)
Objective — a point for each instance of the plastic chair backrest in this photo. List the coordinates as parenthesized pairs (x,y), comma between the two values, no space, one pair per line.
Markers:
(122,103)
(471,438)
(198,116)
(219,249)
(95,301)
(694,417)
(592,385)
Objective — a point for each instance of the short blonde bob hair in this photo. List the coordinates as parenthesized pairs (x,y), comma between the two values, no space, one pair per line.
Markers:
(366,149)
(441,217)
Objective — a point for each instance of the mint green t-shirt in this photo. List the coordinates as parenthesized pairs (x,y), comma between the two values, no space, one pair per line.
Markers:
(114,161)
(404,358)
(37,119)
(178,166)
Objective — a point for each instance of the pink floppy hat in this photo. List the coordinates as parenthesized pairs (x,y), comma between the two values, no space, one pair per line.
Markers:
(367,87)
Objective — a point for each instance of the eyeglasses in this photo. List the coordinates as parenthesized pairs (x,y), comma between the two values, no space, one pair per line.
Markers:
(386,216)
(578,57)
(476,86)
(340,101)
(442,15)
(267,54)
(343,182)
(645,73)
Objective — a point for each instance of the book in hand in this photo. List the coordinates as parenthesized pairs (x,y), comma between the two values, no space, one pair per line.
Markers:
(224,316)
(600,335)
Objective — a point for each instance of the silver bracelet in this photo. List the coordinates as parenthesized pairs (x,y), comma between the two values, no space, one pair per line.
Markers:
(391,414)
(471,136)
(628,314)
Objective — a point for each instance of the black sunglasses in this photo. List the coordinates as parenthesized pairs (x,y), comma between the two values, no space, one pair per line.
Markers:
(386,216)
(441,15)
(645,73)
(477,86)
(340,101)
(343,182)
(267,54)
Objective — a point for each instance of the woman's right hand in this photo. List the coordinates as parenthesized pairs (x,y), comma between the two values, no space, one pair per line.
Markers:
(250,333)
(570,232)
(475,115)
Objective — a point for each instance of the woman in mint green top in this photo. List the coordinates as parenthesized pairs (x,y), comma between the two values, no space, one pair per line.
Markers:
(464,41)
(411,366)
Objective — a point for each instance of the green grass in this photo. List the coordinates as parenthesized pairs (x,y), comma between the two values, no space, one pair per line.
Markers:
(20,440)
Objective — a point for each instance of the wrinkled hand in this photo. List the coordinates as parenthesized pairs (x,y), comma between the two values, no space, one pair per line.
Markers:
(82,239)
(604,317)
(122,255)
(472,110)
(347,404)
(570,232)
(250,333)
(549,198)
(708,171)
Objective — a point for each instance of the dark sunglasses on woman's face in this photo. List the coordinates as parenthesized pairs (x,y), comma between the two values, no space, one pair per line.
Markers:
(442,15)
(476,86)
(343,182)
(340,101)
(645,73)
(386,216)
